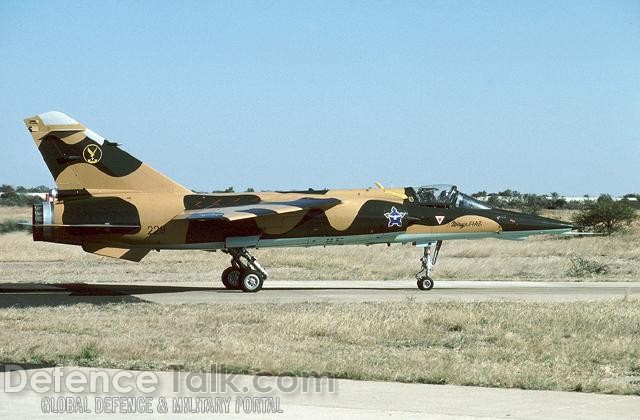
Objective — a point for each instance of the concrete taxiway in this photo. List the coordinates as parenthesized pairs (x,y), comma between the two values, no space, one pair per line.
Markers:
(293,400)
(36,294)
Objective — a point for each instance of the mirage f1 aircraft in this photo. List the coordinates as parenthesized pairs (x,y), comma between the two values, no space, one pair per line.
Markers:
(114,205)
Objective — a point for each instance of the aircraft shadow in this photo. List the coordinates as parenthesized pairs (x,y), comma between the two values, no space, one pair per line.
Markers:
(57,294)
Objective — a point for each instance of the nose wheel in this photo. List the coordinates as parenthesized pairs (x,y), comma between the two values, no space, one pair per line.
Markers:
(245,273)
(428,261)
(425,283)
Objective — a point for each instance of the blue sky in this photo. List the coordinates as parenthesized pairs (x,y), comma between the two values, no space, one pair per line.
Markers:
(534,96)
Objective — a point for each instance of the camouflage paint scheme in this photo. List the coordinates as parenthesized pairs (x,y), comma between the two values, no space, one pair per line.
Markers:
(112,204)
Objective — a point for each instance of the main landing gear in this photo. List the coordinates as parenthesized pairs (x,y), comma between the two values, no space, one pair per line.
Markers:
(245,272)
(428,260)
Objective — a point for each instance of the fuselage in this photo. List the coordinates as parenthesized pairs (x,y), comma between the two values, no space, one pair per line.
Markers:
(364,216)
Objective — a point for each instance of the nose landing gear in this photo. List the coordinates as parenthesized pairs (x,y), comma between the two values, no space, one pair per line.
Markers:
(428,260)
(245,272)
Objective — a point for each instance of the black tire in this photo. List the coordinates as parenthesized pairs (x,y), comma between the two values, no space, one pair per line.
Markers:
(251,281)
(425,283)
(231,278)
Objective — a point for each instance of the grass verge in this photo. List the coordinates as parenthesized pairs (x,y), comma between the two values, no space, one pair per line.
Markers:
(590,347)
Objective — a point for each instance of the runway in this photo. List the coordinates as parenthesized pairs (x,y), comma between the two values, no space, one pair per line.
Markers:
(37,294)
(336,399)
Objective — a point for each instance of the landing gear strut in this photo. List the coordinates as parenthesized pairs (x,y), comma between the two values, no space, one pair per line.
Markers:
(428,260)
(245,272)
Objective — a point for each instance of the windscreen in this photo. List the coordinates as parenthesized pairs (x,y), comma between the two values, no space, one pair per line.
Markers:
(468,202)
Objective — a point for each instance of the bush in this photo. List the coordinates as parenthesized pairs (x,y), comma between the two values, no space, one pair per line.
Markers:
(13,199)
(582,267)
(605,215)
(12,226)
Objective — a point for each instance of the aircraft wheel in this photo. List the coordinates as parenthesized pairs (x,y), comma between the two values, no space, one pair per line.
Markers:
(251,281)
(231,278)
(425,283)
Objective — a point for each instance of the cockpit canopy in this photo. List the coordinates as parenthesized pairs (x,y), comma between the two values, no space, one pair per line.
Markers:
(446,196)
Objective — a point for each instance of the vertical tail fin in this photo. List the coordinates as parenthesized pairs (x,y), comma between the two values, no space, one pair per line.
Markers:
(80,159)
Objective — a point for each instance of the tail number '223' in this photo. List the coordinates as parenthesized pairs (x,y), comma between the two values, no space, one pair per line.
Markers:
(155,230)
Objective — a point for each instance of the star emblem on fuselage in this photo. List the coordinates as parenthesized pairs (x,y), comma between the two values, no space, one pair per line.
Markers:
(395,217)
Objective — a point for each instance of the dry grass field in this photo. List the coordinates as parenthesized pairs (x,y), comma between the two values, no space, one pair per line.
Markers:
(21,213)
(537,258)
(591,347)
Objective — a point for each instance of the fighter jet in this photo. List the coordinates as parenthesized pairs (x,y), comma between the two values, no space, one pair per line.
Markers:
(112,204)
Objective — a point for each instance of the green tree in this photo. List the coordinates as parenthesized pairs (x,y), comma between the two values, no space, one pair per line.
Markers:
(226,190)
(531,204)
(494,200)
(482,193)
(39,189)
(13,199)
(605,215)
(556,202)
(633,199)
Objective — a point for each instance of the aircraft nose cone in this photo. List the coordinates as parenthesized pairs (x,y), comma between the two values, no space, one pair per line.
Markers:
(546,223)
(543,223)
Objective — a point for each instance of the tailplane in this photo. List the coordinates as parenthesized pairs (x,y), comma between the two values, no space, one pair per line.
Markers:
(81,160)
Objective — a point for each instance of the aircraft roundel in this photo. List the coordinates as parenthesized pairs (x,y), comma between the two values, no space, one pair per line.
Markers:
(92,154)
